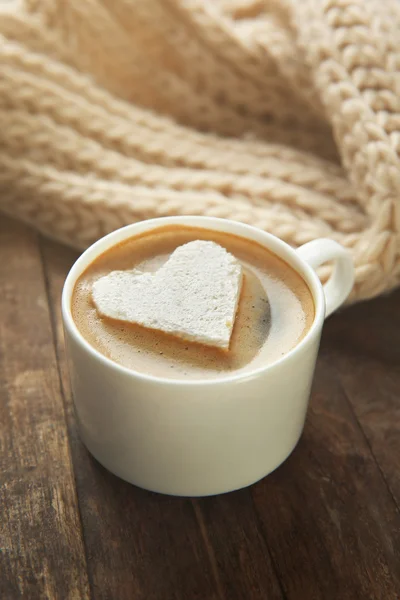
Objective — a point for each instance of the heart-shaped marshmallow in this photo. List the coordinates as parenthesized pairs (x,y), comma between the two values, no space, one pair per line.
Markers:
(194,295)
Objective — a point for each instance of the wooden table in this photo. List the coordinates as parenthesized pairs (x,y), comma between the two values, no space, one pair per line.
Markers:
(325,525)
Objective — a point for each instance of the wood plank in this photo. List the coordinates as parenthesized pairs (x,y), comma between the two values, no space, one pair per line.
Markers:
(42,552)
(366,341)
(331,523)
(143,545)
(241,554)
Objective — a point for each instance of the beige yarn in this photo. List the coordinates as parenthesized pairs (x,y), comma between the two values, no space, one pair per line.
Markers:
(280,113)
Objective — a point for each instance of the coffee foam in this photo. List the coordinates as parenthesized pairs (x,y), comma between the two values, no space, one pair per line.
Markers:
(194,295)
(276,310)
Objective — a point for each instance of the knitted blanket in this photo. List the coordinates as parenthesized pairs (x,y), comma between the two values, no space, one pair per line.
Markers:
(284,114)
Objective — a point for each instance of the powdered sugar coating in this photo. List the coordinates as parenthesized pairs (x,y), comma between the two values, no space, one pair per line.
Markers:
(194,295)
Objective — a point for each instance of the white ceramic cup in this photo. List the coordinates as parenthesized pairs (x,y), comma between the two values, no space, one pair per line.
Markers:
(200,437)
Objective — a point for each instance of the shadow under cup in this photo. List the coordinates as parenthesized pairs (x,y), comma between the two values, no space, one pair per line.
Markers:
(198,437)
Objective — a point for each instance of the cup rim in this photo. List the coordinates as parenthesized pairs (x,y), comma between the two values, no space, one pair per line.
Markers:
(283,250)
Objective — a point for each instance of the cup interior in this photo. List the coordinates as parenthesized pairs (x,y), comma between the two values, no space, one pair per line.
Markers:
(269,241)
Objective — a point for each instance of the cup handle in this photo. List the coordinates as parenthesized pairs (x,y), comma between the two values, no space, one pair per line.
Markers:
(339,285)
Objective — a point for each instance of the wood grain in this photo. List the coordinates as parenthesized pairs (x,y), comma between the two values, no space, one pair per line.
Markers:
(368,366)
(325,525)
(240,551)
(42,553)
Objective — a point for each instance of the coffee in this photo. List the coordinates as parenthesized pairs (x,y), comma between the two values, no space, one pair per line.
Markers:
(276,310)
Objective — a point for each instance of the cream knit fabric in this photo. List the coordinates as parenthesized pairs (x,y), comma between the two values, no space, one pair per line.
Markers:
(280,113)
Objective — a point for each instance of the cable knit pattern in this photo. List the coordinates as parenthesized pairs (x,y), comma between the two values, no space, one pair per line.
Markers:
(278,113)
